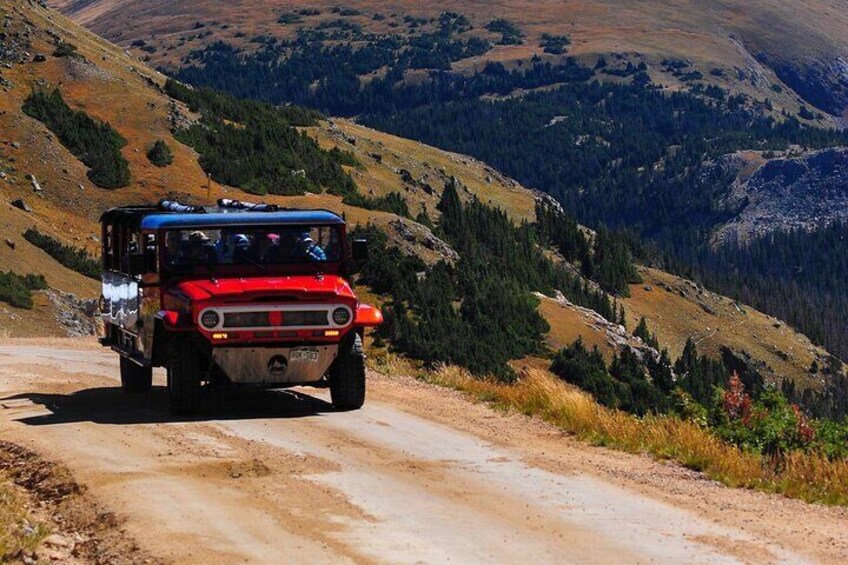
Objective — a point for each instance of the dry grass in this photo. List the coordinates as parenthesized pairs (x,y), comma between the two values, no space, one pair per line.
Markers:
(17,532)
(570,324)
(382,361)
(809,477)
(425,162)
(713,321)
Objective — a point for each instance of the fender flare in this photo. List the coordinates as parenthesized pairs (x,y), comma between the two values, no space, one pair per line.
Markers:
(367,316)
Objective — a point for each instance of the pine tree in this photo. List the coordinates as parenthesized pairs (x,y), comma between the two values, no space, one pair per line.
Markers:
(160,154)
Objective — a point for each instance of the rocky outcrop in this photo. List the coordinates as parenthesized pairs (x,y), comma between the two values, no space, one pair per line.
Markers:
(78,317)
(784,194)
(411,235)
(616,336)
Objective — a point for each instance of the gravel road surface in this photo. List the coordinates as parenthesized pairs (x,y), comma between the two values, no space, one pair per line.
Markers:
(420,475)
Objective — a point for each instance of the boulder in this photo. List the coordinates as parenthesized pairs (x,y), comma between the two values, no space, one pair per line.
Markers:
(21,205)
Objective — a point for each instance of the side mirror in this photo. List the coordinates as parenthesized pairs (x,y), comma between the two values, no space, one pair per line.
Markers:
(360,250)
(137,265)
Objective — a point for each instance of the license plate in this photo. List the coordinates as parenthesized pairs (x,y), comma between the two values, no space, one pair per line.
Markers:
(305,355)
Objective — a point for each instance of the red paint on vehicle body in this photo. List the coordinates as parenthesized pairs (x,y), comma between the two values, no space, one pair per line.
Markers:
(311,289)
(314,287)
(368,316)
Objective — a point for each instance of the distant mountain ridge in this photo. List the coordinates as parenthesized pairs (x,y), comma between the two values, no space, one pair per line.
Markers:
(793,53)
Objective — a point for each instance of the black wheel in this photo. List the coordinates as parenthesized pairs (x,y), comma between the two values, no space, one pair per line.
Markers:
(134,377)
(347,375)
(185,369)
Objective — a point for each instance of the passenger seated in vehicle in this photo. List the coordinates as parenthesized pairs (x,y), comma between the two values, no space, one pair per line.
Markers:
(306,247)
(231,247)
(199,250)
(266,248)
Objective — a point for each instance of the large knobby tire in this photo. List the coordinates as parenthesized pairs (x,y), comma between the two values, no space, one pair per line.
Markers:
(347,375)
(185,371)
(134,377)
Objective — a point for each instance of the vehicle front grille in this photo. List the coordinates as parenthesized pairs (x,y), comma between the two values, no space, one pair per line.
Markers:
(306,318)
(287,318)
(247,320)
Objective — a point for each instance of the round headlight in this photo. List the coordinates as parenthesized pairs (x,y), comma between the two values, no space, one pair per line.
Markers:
(341,316)
(210,319)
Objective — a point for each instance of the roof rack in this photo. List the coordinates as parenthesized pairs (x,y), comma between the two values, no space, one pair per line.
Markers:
(174,206)
(229,204)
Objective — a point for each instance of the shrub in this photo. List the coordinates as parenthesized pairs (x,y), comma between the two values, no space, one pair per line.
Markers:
(770,425)
(160,154)
(94,143)
(688,409)
(393,202)
(554,44)
(71,257)
(511,34)
(65,50)
(289,18)
(17,290)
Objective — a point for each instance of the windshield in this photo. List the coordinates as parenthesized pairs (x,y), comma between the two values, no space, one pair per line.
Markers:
(274,245)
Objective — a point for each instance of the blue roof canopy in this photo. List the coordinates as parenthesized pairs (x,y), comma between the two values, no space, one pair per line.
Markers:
(219,219)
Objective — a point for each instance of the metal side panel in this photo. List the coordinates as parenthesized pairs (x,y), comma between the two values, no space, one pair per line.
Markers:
(268,366)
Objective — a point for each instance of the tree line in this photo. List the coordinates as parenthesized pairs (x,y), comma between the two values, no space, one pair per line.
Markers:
(799,276)
(478,313)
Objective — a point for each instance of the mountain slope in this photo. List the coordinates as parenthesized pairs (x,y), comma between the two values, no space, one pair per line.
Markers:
(109,85)
(753,45)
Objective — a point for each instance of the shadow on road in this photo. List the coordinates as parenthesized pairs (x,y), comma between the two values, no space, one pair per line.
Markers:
(111,405)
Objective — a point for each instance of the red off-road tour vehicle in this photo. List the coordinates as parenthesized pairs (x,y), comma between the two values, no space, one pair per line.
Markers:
(239,293)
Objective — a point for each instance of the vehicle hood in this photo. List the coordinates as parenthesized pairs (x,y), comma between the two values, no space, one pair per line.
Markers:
(239,289)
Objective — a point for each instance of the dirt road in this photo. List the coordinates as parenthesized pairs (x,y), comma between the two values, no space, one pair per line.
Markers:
(419,475)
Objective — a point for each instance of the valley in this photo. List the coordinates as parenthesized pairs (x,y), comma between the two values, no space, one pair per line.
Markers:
(591,221)
(648,118)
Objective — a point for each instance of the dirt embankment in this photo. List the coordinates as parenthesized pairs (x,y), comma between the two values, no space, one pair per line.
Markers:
(69,524)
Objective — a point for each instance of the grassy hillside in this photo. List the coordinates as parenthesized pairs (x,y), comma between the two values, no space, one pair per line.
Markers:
(747,47)
(112,87)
